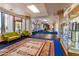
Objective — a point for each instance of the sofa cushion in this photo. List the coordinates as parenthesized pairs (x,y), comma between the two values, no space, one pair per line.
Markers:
(11,34)
(13,38)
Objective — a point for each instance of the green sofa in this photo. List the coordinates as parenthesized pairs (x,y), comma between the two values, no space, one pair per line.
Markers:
(10,36)
(26,33)
(1,39)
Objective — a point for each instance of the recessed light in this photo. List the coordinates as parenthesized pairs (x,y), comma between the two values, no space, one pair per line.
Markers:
(45,20)
(33,8)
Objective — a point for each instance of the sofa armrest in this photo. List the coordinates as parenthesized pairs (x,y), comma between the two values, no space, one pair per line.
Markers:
(1,39)
(5,38)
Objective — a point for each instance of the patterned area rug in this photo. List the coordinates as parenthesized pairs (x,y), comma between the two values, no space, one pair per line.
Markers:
(28,47)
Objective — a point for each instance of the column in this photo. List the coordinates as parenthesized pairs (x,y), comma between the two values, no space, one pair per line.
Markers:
(2,23)
(29,24)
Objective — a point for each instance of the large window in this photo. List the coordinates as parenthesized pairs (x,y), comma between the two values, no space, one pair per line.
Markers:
(8,23)
(0,22)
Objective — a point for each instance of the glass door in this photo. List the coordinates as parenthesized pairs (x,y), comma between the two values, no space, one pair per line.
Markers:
(18,24)
(18,27)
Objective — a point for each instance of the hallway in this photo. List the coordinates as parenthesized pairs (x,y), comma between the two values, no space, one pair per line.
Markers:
(39,29)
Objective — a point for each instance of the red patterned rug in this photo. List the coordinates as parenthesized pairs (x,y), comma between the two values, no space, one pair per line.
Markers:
(29,47)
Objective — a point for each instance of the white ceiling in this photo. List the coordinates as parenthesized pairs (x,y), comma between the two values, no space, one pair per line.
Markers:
(46,9)
(21,8)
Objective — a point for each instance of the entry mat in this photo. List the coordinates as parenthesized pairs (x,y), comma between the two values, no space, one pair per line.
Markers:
(29,47)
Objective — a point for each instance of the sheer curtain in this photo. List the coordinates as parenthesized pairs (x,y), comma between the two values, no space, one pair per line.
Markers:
(8,23)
